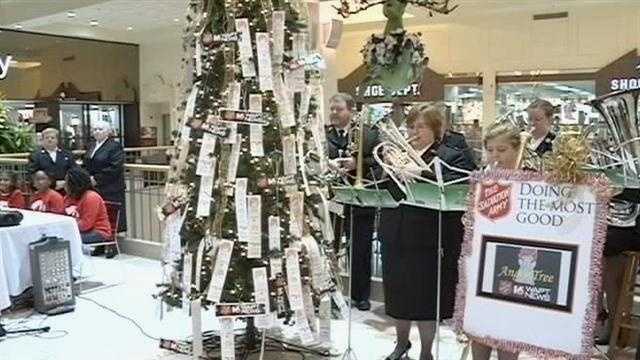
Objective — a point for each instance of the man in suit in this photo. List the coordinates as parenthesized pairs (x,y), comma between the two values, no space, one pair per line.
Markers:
(104,161)
(51,159)
(363,219)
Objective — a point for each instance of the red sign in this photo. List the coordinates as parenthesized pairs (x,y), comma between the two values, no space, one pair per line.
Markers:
(494,201)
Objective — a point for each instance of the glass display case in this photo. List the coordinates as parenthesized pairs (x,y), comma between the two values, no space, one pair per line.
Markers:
(465,104)
(570,97)
(76,120)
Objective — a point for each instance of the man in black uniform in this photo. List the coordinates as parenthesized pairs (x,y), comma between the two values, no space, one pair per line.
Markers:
(338,139)
(51,158)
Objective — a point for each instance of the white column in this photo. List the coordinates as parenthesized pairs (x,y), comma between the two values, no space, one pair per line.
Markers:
(488,97)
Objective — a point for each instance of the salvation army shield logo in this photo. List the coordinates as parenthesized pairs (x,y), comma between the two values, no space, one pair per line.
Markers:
(494,201)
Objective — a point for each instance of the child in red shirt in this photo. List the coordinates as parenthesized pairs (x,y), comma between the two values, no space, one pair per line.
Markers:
(87,207)
(45,199)
(10,194)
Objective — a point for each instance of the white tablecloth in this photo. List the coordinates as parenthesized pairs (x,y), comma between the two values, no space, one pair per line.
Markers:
(15,265)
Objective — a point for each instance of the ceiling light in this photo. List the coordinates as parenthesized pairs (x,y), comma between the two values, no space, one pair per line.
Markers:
(17,26)
(129,28)
(176,20)
(25,64)
(94,23)
(71,14)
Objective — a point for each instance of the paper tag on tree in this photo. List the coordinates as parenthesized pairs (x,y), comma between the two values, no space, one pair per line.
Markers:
(289,154)
(242,218)
(196,326)
(254,248)
(277,23)
(206,160)
(234,95)
(198,268)
(324,313)
(338,299)
(187,271)
(274,233)
(204,196)
(256,141)
(300,41)
(294,280)
(244,47)
(265,71)
(295,80)
(234,158)
(275,266)
(191,103)
(285,106)
(222,261)
(261,290)
(302,325)
(319,273)
(296,214)
(227,339)
(309,309)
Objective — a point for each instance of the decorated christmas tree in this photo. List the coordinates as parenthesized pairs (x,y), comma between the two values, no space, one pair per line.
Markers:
(247,222)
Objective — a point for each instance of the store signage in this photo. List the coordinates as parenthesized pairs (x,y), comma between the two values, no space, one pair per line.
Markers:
(625,84)
(4,66)
(378,91)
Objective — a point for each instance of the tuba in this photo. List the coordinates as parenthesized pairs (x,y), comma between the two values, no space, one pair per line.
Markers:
(620,112)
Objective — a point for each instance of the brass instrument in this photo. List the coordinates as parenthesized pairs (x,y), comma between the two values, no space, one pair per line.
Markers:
(525,139)
(620,112)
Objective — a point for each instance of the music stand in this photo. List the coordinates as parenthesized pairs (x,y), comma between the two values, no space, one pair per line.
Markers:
(356,196)
(439,196)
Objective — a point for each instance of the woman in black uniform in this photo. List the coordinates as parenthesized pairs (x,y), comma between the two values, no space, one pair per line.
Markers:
(410,244)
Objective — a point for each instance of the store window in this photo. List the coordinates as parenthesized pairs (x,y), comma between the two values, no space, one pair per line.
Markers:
(570,97)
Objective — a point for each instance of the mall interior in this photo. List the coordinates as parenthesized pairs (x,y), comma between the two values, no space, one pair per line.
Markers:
(133,108)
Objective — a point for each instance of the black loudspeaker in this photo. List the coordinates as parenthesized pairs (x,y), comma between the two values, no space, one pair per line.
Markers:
(52,276)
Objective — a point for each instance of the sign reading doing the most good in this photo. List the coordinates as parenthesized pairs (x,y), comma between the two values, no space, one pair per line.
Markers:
(530,251)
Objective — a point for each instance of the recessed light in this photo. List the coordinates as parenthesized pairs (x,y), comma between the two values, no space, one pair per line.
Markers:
(71,14)
(94,23)
(17,26)
(176,20)
(129,28)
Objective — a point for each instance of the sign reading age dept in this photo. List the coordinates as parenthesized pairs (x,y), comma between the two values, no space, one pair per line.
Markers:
(530,251)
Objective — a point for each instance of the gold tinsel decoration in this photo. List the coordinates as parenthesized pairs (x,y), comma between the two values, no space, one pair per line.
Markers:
(565,164)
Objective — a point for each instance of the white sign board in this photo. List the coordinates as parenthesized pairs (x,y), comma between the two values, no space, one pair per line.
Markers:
(530,263)
(4,66)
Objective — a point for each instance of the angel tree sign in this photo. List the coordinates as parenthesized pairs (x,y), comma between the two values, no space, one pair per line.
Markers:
(4,66)
(531,254)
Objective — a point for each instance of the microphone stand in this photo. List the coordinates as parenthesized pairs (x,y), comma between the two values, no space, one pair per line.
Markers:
(349,354)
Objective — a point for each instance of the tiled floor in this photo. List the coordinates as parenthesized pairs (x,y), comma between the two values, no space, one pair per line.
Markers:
(91,332)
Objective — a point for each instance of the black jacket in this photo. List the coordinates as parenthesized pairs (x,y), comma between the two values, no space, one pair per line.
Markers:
(107,167)
(41,160)
(337,147)
(457,141)
(546,144)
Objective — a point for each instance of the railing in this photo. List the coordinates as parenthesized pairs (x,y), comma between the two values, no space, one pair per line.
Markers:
(147,155)
(143,194)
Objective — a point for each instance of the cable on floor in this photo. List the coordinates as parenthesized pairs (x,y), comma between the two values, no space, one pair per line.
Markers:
(120,316)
